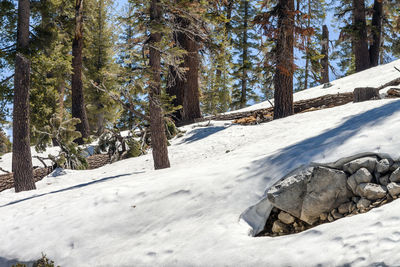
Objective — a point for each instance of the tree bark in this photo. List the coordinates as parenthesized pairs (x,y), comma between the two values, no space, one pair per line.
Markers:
(375,46)
(360,37)
(21,156)
(243,96)
(283,79)
(325,53)
(78,103)
(191,95)
(157,126)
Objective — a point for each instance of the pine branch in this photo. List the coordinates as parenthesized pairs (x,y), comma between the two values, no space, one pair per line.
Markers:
(128,106)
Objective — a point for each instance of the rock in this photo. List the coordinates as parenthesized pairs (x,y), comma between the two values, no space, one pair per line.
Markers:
(383,166)
(323,216)
(367,162)
(287,194)
(384,180)
(279,227)
(394,166)
(363,203)
(336,215)
(352,183)
(285,217)
(326,190)
(330,218)
(355,199)
(345,207)
(362,176)
(371,191)
(395,176)
(394,189)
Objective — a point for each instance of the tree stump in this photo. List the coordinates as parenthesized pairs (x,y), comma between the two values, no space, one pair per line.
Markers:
(365,93)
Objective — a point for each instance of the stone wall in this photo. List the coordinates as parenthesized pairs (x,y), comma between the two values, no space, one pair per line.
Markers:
(323,193)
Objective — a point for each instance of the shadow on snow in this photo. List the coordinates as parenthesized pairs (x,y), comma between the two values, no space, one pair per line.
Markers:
(305,151)
(68,188)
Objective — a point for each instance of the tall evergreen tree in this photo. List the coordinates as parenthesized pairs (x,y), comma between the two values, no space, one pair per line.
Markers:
(78,103)
(283,79)
(360,37)
(376,30)
(157,127)
(246,43)
(325,54)
(99,65)
(21,157)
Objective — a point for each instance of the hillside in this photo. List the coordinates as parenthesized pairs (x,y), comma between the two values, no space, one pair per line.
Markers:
(127,214)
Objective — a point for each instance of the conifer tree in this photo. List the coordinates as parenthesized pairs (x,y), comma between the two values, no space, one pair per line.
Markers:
(246,43)
(21,157)
(157,127)
(325,54)
(99,65)
(78,103)
(283,79)
(51,60)
(360,37)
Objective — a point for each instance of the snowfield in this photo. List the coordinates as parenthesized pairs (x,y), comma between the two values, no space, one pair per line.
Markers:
(127,214)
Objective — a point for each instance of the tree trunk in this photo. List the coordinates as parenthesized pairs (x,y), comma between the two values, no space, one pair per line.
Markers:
(360,37)
(325,53)
(361,94)
(308,43)
(243,97)
(157,126)
(175,88)
(21,156)
(78,103)
(283,79)
(374,49)
(191,95)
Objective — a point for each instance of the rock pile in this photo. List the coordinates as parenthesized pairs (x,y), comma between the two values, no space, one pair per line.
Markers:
(324,193)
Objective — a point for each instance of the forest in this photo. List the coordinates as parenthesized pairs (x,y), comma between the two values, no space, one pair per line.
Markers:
(76,71)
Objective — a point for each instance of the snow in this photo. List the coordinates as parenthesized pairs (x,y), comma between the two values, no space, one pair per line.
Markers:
(374,77)
(127,214)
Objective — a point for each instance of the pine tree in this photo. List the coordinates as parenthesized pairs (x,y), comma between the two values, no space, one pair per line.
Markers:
(325,54)
(99,66)
(78,103)
(246,71)
(157,127)
(283,79)
(360,38)
(21,157)
(310,14)
(51,60)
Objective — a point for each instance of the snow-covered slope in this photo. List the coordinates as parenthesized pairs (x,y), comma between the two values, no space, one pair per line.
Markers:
(127,214)
(373,77)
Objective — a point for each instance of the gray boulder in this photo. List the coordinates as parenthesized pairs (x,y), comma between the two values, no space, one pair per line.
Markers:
(361,176)
(395,176)
(394,189)
(325,191)
(371,191)
(367,162)
(383,166)
(288,194)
